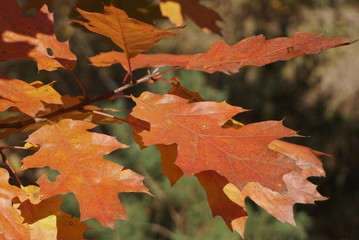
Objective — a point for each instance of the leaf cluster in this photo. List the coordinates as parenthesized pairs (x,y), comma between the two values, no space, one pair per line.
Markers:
(196,137)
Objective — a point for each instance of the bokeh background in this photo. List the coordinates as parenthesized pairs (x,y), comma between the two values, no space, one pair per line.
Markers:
(316,95)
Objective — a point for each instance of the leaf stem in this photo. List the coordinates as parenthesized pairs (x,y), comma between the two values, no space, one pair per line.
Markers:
(4,159)
(83,89)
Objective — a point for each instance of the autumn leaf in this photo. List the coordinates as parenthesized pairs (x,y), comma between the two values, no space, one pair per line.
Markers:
(240,155)
(131,35)
(32,38)
(299,189)
(140,61)
(231,163)
(257,51)
(234,215)
(11,226)
(252,51)
(78,157)
(28,98)
(89,113)
(204,17)
(48,210)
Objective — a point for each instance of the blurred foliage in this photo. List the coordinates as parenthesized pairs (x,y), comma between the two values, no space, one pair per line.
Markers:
(318,95)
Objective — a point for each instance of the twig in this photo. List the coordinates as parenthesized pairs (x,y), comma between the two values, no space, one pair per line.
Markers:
(83,90)
(86,102)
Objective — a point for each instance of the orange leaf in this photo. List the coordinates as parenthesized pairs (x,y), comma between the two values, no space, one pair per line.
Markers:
(11,226)
(253,51)
(240,155)
(140,61)
(131,35)
(87,113)
(32,38)
(257,51)
(28,98)
(68,227)
(204,17)
(78,157)
(231,162)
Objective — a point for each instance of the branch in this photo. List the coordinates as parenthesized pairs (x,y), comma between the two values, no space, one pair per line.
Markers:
(151,76)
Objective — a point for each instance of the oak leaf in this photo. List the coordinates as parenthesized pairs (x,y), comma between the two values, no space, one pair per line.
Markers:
(32,38)
(11,226)
(34,210)
(232,162)
(131,35)
(299,189)
(140,61)
(241,155)
(28,98)
(203,16)
(257,51)
(233,214)
(78,157)
(89,113)
(252,51)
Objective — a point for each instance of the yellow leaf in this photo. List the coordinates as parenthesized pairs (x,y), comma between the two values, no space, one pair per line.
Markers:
(172,10)
(44,229)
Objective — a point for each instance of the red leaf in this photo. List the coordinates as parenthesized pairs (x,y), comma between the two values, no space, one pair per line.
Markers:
(254,51)
(233,214)
(32,38)
(231,162)
(78,156)
(240,155)
(257,51)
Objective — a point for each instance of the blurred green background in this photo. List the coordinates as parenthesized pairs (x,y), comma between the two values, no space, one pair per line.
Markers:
(316,95)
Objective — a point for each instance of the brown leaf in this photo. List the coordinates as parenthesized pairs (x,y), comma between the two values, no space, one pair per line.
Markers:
(233,214)
(204,17)
(11,226)
(131,35)
(168,159)
(32,38)
(78,157)
(180,91)
(67,226)
(28,98)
